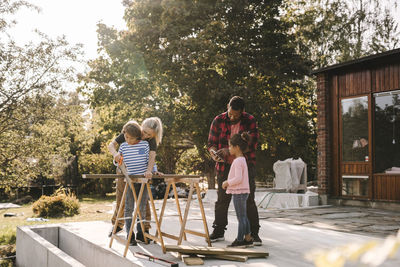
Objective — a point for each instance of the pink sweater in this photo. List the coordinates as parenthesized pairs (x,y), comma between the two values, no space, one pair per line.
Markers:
(238,177)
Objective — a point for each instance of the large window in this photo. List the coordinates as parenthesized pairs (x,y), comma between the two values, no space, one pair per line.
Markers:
(387,132)
(355,129)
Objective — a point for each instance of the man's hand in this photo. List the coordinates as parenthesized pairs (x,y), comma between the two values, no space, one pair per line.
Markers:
(225,185)
(148,174)
(214,155)
(223,153)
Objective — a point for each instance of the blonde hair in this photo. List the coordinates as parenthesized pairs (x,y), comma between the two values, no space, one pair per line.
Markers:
(133,129)
(155,124)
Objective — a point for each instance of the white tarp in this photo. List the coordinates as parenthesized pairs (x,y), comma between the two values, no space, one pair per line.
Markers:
(290,174)
(9,206)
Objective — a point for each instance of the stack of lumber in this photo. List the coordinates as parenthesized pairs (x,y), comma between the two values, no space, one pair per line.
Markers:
(194,255)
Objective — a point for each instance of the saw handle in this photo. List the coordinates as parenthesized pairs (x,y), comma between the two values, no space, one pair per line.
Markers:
(120,161)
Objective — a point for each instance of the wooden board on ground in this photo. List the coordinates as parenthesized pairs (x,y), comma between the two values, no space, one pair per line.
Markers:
(187,249)
(192,260)
(229,257)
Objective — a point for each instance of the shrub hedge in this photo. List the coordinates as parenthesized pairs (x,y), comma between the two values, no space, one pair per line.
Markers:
(61,203)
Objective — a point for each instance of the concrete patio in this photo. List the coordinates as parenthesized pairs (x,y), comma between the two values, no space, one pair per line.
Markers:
(288,235)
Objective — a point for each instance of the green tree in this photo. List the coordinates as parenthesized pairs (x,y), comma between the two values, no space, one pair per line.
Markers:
(33,141)
(334,31)
(183,60)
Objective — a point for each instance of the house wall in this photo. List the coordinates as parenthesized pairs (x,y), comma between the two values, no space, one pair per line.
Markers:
(323,139)
(333,85)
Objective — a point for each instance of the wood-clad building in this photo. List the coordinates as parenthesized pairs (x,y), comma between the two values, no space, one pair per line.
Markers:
(359,130)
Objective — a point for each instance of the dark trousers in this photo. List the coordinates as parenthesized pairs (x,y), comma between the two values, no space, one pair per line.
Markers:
(224,199)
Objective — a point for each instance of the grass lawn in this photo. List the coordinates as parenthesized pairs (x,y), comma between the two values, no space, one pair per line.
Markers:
(91,209)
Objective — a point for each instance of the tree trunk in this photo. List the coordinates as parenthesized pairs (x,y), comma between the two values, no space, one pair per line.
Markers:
(210,173)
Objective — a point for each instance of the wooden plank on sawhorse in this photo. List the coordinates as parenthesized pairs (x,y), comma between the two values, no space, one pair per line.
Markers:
(129,184)
(115,176)
(193,182)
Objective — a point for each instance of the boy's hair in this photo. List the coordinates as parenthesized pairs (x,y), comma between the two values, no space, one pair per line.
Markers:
(242,140)
(155,124)
(236,103)
(133,129)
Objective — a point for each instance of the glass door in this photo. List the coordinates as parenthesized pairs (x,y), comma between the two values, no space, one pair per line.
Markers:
(355,141)
(387,132)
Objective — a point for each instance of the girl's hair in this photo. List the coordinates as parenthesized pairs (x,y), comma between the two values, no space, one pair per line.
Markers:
(133,129)
(242,140)
(155,124)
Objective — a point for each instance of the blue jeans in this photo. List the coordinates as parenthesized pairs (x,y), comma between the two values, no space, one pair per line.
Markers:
(130,206)
(223,200)
(240,203)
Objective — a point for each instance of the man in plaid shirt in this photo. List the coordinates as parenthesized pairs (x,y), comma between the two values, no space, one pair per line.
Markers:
(225,125)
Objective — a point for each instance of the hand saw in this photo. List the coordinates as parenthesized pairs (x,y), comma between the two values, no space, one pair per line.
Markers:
(122,167)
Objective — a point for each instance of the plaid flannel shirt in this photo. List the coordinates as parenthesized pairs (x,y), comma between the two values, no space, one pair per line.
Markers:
(220,133)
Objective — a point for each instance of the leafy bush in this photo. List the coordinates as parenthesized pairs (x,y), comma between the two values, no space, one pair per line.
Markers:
(61,203)
(96,163)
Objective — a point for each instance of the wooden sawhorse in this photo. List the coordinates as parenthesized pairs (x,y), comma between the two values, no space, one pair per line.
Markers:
(193,181)
(171,180)
(129,185)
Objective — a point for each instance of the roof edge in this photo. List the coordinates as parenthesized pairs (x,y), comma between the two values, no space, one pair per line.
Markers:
(357,61)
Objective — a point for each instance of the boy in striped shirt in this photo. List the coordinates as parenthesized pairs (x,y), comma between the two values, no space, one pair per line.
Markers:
(135,153)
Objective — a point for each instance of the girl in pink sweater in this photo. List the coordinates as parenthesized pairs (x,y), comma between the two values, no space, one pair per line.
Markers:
(238,185)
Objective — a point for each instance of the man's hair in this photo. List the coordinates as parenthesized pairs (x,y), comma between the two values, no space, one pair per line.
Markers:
(133,129)
(236,103)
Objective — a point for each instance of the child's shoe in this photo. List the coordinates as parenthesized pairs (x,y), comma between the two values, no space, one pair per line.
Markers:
(241,244)
(140,237)
(133,241)
(249,244)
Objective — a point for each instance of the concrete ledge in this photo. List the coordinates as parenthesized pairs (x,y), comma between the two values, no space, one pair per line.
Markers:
(89,253)
(385,205)
(49,233)
(53,245)
(33,250)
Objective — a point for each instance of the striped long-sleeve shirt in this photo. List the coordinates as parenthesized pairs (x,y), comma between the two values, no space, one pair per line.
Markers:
(136,157)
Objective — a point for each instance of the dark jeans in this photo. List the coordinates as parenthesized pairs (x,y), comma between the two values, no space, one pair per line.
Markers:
(223,201)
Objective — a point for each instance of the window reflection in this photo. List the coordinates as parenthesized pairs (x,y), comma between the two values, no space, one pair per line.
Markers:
(355,129)
(353,185)
(387,132)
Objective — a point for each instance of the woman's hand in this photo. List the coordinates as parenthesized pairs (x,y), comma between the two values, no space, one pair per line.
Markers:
(225,185)
(158,173)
